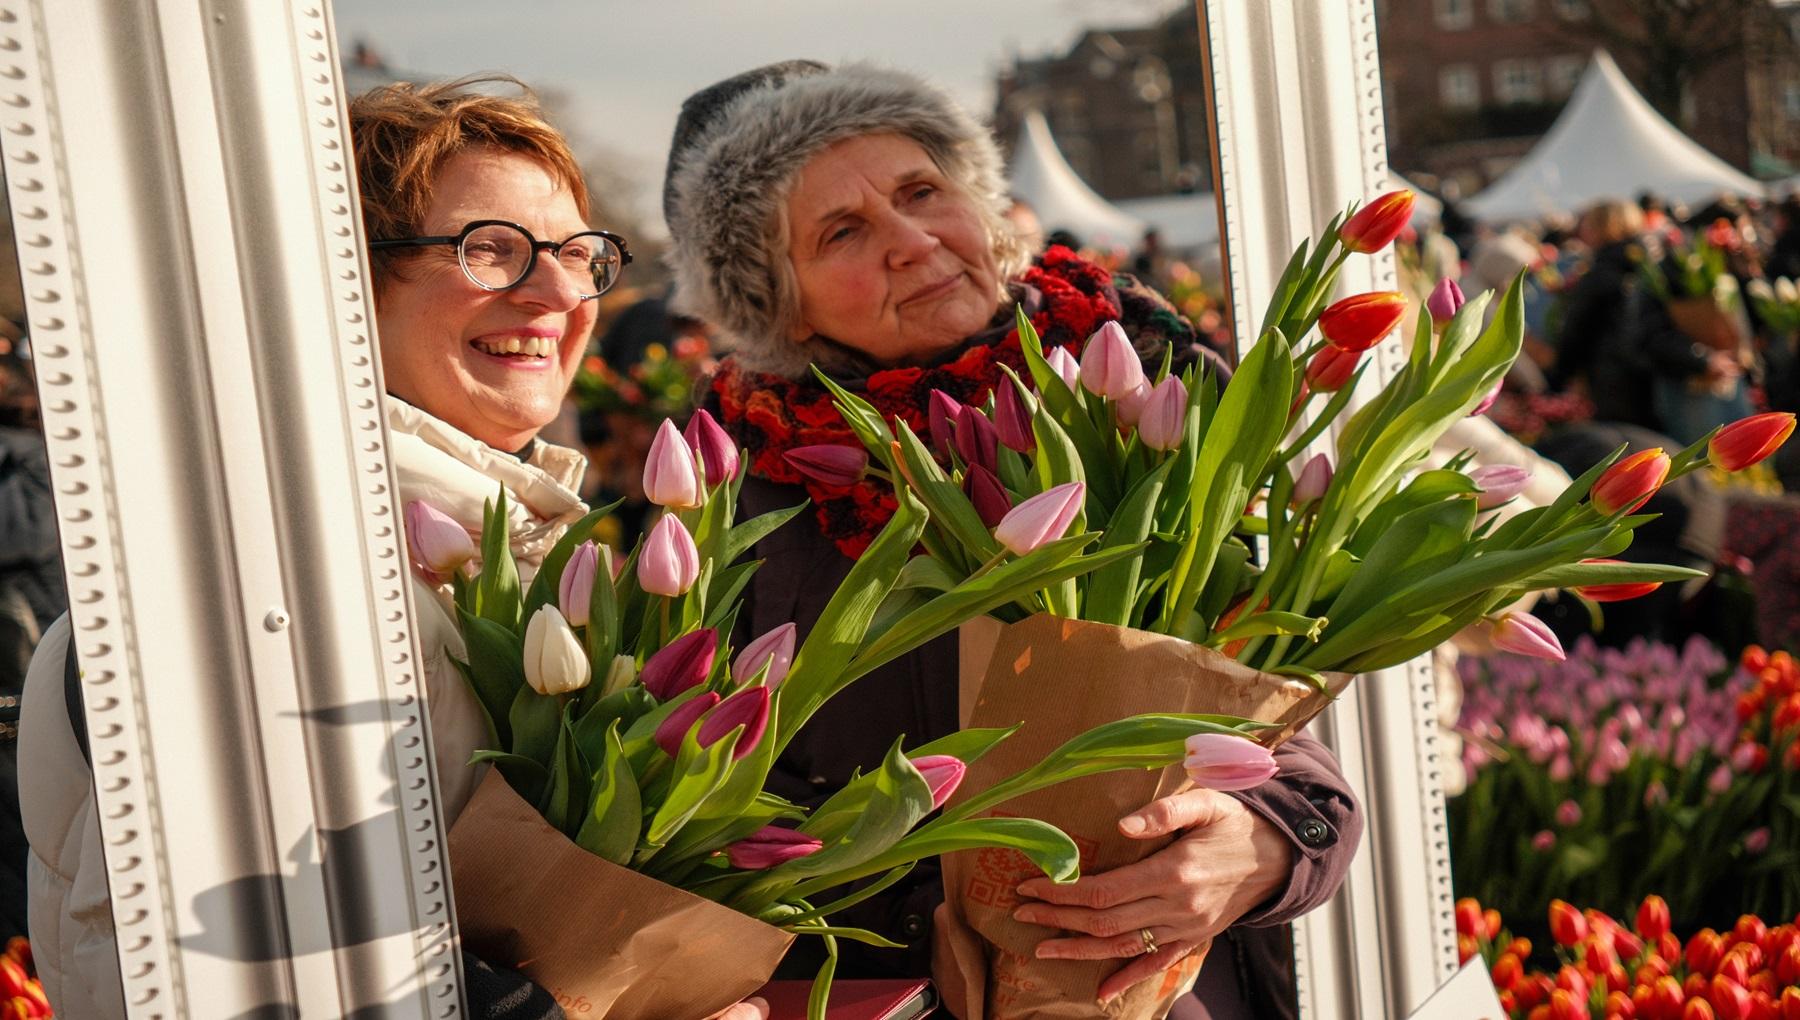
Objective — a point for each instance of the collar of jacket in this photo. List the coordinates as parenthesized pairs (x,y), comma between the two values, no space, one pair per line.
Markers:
(458,474)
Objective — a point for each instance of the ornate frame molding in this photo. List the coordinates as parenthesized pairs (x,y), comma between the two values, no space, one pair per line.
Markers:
(1298,133)
(198,308)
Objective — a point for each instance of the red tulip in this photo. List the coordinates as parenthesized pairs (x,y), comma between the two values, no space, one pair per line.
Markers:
(1573,981)
(1729,998)
(943,774)
(1667,997)
(1565,1006)
(1619,1006)
(977,441)
(1790,1004)
(1704,951)
(989,496)
(1748,440)
(1787,965)
(1630,483)
(674,728)
(1332,368)
(1616,592)
(829,464)
(769,846)
(1012,418)
(718,454)
(1360,321)
(1750,928)
(1468,917)
(1567,926)
(1698,1009)
(748,708)
(940,413)
(1507,971)
(1653,917)
(1375,225)
(13,978)
(680,665)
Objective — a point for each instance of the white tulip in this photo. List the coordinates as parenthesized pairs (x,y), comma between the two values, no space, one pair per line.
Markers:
(555,662)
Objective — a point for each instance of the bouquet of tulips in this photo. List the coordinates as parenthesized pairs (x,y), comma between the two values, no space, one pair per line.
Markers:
(635,743)
(1777,304)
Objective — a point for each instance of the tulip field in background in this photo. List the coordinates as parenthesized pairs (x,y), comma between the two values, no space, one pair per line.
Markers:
(1619,773)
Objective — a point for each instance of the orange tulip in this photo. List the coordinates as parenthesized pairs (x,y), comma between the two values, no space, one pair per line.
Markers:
(1631,482)
(1748,440)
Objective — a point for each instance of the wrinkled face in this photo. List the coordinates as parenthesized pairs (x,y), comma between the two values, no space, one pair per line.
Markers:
(494,364)
(891,259)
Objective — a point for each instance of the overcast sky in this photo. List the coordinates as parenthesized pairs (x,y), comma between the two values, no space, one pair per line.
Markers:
(626,66)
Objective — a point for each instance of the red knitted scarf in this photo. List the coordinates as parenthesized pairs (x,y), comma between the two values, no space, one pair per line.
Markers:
(768,415)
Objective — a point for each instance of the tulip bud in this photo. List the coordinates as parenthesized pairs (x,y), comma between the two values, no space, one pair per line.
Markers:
(1332,368)
(1498,483)
(1704,951)
(718,454)
(1012,418)
(1488,401)
(1786,292)
(943,773)
(439,544)
(1567,925)
(1730,1000)
(1445,299)
(769,846)
(555,661)
(1360,321)
(1565,1006)
(1756,841)
(619,675)
(671,478)
(13,978)
(1653,918)
(1315,478)
(1748,440)
(774,650)
(1468,917)
(1219,761)
(1042,519)
(985,491)
(1616,592)
(748,708)
(669,564)
(1619,1004)
(674,728)
(1375,225)
(681,664)
(1568,814)
(576,587)
(1525,634)
(829,464)
(1163,423)
(1130,407)
(1630,483)
(940,413)
(1064,365)
(1110,366)
(977,442)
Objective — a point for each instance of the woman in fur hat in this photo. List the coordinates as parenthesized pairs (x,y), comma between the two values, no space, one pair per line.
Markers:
(853,218)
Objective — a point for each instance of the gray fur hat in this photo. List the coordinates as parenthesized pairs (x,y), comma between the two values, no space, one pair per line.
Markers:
(738,145)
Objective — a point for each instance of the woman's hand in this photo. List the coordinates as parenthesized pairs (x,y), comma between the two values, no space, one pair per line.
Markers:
(1229,860)
(749,1009)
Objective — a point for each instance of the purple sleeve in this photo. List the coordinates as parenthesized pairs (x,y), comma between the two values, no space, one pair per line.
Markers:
(1311,803)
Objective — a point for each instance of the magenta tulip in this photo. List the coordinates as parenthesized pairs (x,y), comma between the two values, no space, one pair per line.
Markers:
(977,441)
(943,774)
(940,413)
(1498,483)
(1524,634)
(829,464)
(1109,364)
(669,564)
(1064,365)
(439,545)
(1012,418)
(576,586)
(989,496)
(1041,519)
(748,708)
(1220,761)
(774,649)
(718,454)
(1315,478)
(674,729)
(671,478)
(680,665)
(1163,423)
(769,846)
(1445,299)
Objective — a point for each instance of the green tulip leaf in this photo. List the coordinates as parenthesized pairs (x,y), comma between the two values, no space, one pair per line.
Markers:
(610,828)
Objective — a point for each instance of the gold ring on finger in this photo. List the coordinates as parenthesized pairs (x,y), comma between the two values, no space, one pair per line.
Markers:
(1149,941)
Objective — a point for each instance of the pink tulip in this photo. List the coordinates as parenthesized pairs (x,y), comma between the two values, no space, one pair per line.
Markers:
(1656,794)
(774,649)
(1109,364)
(1131,406)
(671,478)
(1525,634)
(829,464)
(748,708)
(940,414)
(1488,401)
(1445,299)
(669,564)
(1756,841)
(1219,761)
(1163,423)
(1064,365)
(1568,814)
(1041,519)
(943,773)
(576,586)
(989,496)
(681,664)
(439,544)
(1314,480)
(769,846)
(977,441)
(1562,769)
(718,454)
(674,729)
(1720,780)
(1498,484)
(1012,418)
(1543,841)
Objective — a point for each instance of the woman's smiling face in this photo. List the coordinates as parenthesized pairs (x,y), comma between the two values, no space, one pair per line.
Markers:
(494,364)
(890,258)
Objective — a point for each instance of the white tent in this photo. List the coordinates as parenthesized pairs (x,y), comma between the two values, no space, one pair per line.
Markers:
(1063,201)
(1608,142)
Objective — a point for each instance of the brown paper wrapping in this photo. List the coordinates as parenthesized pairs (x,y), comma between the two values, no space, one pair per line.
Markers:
(603,940)
(1064,677)
(1705,321)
